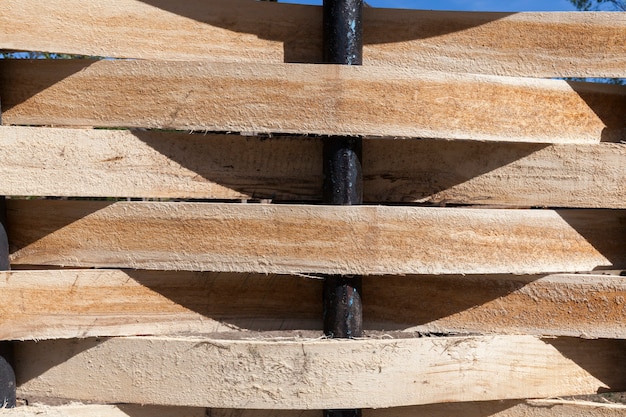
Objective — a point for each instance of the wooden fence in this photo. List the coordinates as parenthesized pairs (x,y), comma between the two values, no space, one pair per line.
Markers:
(491,241)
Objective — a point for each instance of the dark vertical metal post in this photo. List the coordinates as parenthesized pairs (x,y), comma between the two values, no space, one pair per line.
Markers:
(343,183)
(7,375)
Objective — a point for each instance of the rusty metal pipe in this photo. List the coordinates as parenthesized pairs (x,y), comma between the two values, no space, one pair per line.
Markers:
(343,32)
(343,178)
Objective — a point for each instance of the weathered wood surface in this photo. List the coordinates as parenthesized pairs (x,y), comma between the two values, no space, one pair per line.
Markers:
(121,163)
(265,238)
(38,305)
(312,374)
(524,44)
(314,99)
(529,408)
(97,410)
(510,408)
(561,305)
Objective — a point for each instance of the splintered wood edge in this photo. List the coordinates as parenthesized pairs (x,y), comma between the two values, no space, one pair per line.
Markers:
(339,100)
(311,374)
(123,163)
(39,305)
(529,408)
(292,239)
(522,44)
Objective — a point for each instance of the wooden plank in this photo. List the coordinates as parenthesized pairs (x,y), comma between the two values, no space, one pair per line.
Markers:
(495,174)
(579,305)
(368,240)
(97,410)
(39,305)
(121,163)
(521,44)
(530,408)
(315,99)
(312,374)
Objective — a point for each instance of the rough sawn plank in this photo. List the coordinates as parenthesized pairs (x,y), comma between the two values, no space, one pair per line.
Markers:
(122,163)
(53,304)
(312,374)
(520,44)
(287,239)
(309,99)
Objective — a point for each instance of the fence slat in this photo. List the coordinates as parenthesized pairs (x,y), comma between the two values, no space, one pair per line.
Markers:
(521,44)
(302,239)
(296,374)
(316,99)
(97,410)
(529,408)
(120,163)
(40,305)
(510,408)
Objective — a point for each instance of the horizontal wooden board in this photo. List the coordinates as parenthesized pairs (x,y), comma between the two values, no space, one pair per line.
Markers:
(526,44)
(312,374)
(97,410)
(561,305)
(122,163)
(309,99)
(369,240)
(38,305)
(511,408)
(529,408)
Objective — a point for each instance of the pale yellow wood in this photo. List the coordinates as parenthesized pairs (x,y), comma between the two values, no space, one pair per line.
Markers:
(529,408)
(526,44)
(38,305)
(321,99)
(97,410)
(511,408)
(561,305)
(302,239)
(313,374)
(465,172)
(121,163)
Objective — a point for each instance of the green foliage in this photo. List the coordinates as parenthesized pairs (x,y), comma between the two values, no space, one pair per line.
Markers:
(588,5)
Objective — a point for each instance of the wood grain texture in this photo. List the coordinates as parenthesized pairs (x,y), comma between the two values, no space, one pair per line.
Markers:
(303,239)
(312,374)
(522,44)
(121,163)
(97,410)
(580,305)
(309,99)
(511,408)
(39,305)
(529,408)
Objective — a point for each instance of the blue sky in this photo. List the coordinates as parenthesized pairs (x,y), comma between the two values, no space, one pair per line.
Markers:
(472,5)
